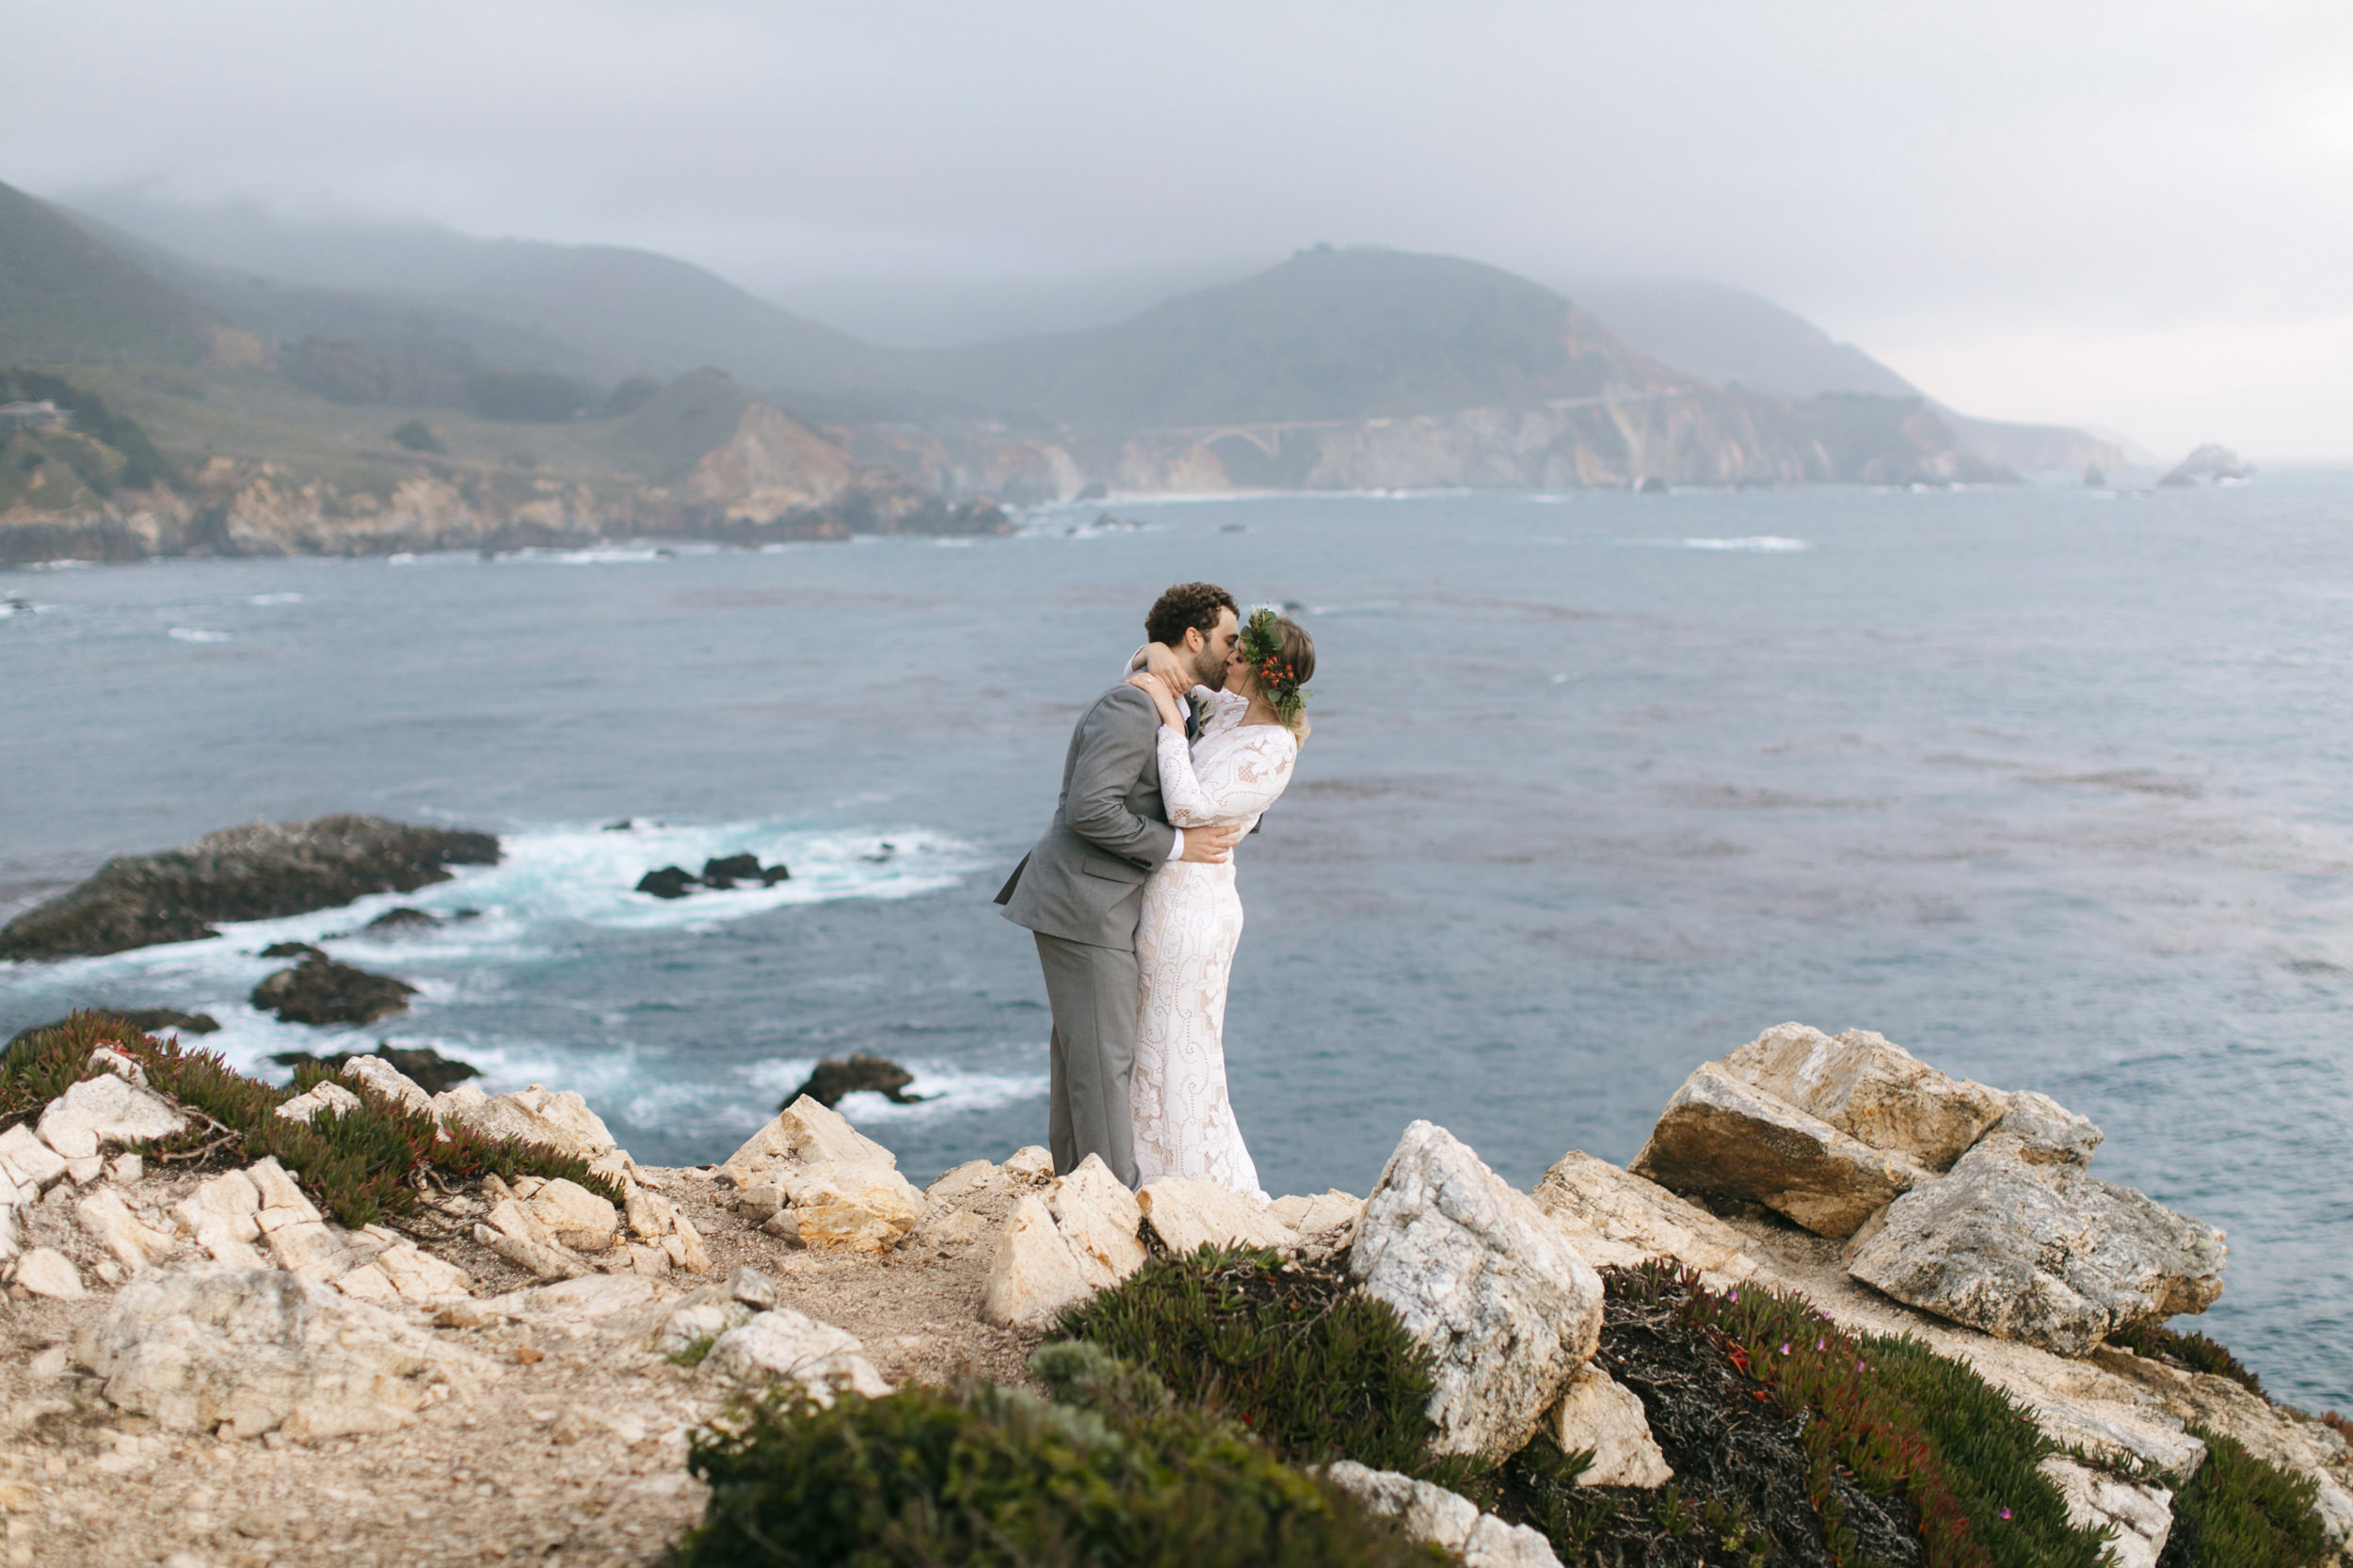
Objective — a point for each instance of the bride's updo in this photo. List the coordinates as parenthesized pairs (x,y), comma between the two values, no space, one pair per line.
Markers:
(1282,660)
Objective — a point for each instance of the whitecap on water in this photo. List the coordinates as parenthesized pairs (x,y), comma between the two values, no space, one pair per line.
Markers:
(196,634)
(1763,544)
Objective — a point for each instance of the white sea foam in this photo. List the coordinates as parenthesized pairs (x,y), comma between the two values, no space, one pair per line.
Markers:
(598,555)
(197,634)
(1763,544)
(946,1089)
(275,599)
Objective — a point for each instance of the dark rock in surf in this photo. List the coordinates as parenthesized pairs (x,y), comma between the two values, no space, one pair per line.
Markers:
(669,882)
(835,1078)
(771,875)
(403,919)
(259,872)
(321,991)
(726,871)
(428,1069)
(141,1020)
(293,949)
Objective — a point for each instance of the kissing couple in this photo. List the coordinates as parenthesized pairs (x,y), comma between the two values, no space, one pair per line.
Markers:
(1130,894)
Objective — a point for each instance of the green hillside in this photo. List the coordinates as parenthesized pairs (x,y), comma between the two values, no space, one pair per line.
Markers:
(65,299)
(1329,334)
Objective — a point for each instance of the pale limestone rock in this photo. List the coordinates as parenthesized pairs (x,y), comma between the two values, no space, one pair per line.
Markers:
(809,1133)
(1188,1214)
(389,1081)
(109,1058)
(1033,1275)
(568,1112)
(576,1217)
(46,1272)
(278,1191)
(689,1323)
(1448,1520)
(2046,1132)
(1029,1163)
(683,1247)
(877,1189)
(2143,1515)
(590,1296)
(615,1166)
(1593,1198)
(107,1109)
(1601,1415)
(110,1220)
(28,1160)
(2044,1253)
(368,1283)
(752,1288)
(782,1343)
(974,1181)
(1324,1217)
(847,1227)
(9,1241)
(451,1104)
(84,1169)
(311,1248)
(951,1227)
(1097,1218)
(420,1276)
(639,1258)
(253,1350)
(1721,1137)
(324,1095)
(515,1235)
(1870,1088)
(127,1170)
(222,1216)
(1484,1280)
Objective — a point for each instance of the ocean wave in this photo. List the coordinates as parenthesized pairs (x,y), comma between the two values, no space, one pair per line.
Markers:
(1763,544)
(196,634)
(946,1089)
(274,598)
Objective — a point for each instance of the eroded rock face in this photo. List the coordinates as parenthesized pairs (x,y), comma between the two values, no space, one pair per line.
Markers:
(1870,1088)
(1482,1278)
(808,1133)
(242,873)
(2040,1252)
(2143,1515)
(256,1349)
(1599,1414)
(1192,1212)
(1034,1275)
(1448,1520)
(1721,1137)
(107,1109)
(1590,1197)
(1099,1219)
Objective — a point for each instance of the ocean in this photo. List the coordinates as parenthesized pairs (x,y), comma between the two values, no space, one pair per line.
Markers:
(2048,785)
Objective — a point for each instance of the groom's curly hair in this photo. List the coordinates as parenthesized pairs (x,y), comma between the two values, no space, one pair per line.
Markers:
(1187,604)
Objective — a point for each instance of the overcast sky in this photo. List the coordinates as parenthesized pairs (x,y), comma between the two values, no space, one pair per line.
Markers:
(2139,215)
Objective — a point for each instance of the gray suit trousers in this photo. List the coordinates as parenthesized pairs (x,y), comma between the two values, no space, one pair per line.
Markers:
(1093,991)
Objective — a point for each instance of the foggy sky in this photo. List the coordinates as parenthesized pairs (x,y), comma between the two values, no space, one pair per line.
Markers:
(2137,215)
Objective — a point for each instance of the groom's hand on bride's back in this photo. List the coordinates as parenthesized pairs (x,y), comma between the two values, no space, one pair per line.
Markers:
(1211,845)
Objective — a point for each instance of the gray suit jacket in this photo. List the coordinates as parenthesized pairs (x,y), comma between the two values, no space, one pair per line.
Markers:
(1085,880)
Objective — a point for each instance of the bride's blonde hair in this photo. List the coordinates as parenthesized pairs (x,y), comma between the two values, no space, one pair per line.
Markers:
(1282,660)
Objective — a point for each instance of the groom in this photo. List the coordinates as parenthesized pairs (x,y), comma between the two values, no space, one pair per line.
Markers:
(1081,890)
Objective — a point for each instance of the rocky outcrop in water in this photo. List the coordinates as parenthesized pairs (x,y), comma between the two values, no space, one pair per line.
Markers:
(834,1078)
(2210,464)
(256,873)
(321,991)
(426,1068)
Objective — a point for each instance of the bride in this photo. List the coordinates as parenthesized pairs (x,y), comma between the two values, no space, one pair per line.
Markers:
(1183,1117)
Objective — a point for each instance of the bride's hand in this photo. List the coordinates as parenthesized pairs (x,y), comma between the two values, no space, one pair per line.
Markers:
(1163,696)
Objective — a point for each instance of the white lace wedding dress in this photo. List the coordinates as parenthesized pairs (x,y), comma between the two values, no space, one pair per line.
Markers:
(1184,1120)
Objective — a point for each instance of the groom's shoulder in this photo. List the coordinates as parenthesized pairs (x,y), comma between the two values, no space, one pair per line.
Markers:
(1123,700)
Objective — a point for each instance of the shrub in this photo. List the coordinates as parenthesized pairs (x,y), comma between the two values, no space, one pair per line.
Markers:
(985,1477)
(417,435)
(2193,1350)
(1291,1350)
(361,1165)
(536,395)
(2237,1512)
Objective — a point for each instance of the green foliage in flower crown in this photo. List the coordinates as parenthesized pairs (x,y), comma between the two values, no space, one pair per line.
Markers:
(1262,645)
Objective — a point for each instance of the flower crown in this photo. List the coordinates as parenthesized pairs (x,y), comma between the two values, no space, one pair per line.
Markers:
(1262,646)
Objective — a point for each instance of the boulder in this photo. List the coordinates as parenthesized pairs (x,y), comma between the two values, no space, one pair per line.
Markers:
(2040,1252)
(567,1111)
(107,1109)
(2143,1515)
(1870,1088)
(516,1234)
(784,1344)
(1188,1214)
(428,1069)
(552,1120)
(1324,1218)
(46,1272)
(2047,1133)
(974,1181)
(256,1350)
(1029,1163)
(1486,1282)
(222,1217)
(108,1219)
(574,1216)
(692,1321)
(834,1078)
(1723,1138)
(242,874)
(1448,1520)
(322,991)
(1034,1275)
(1097,1218)
(808,1134)
(322,1096)
(1601,1416)
(389,1081)
(669,882)
(417,1275)
(28,1161)
(1593,1198)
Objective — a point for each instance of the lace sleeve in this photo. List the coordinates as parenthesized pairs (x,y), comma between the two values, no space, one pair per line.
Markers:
(1224,709)
(1240,783)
